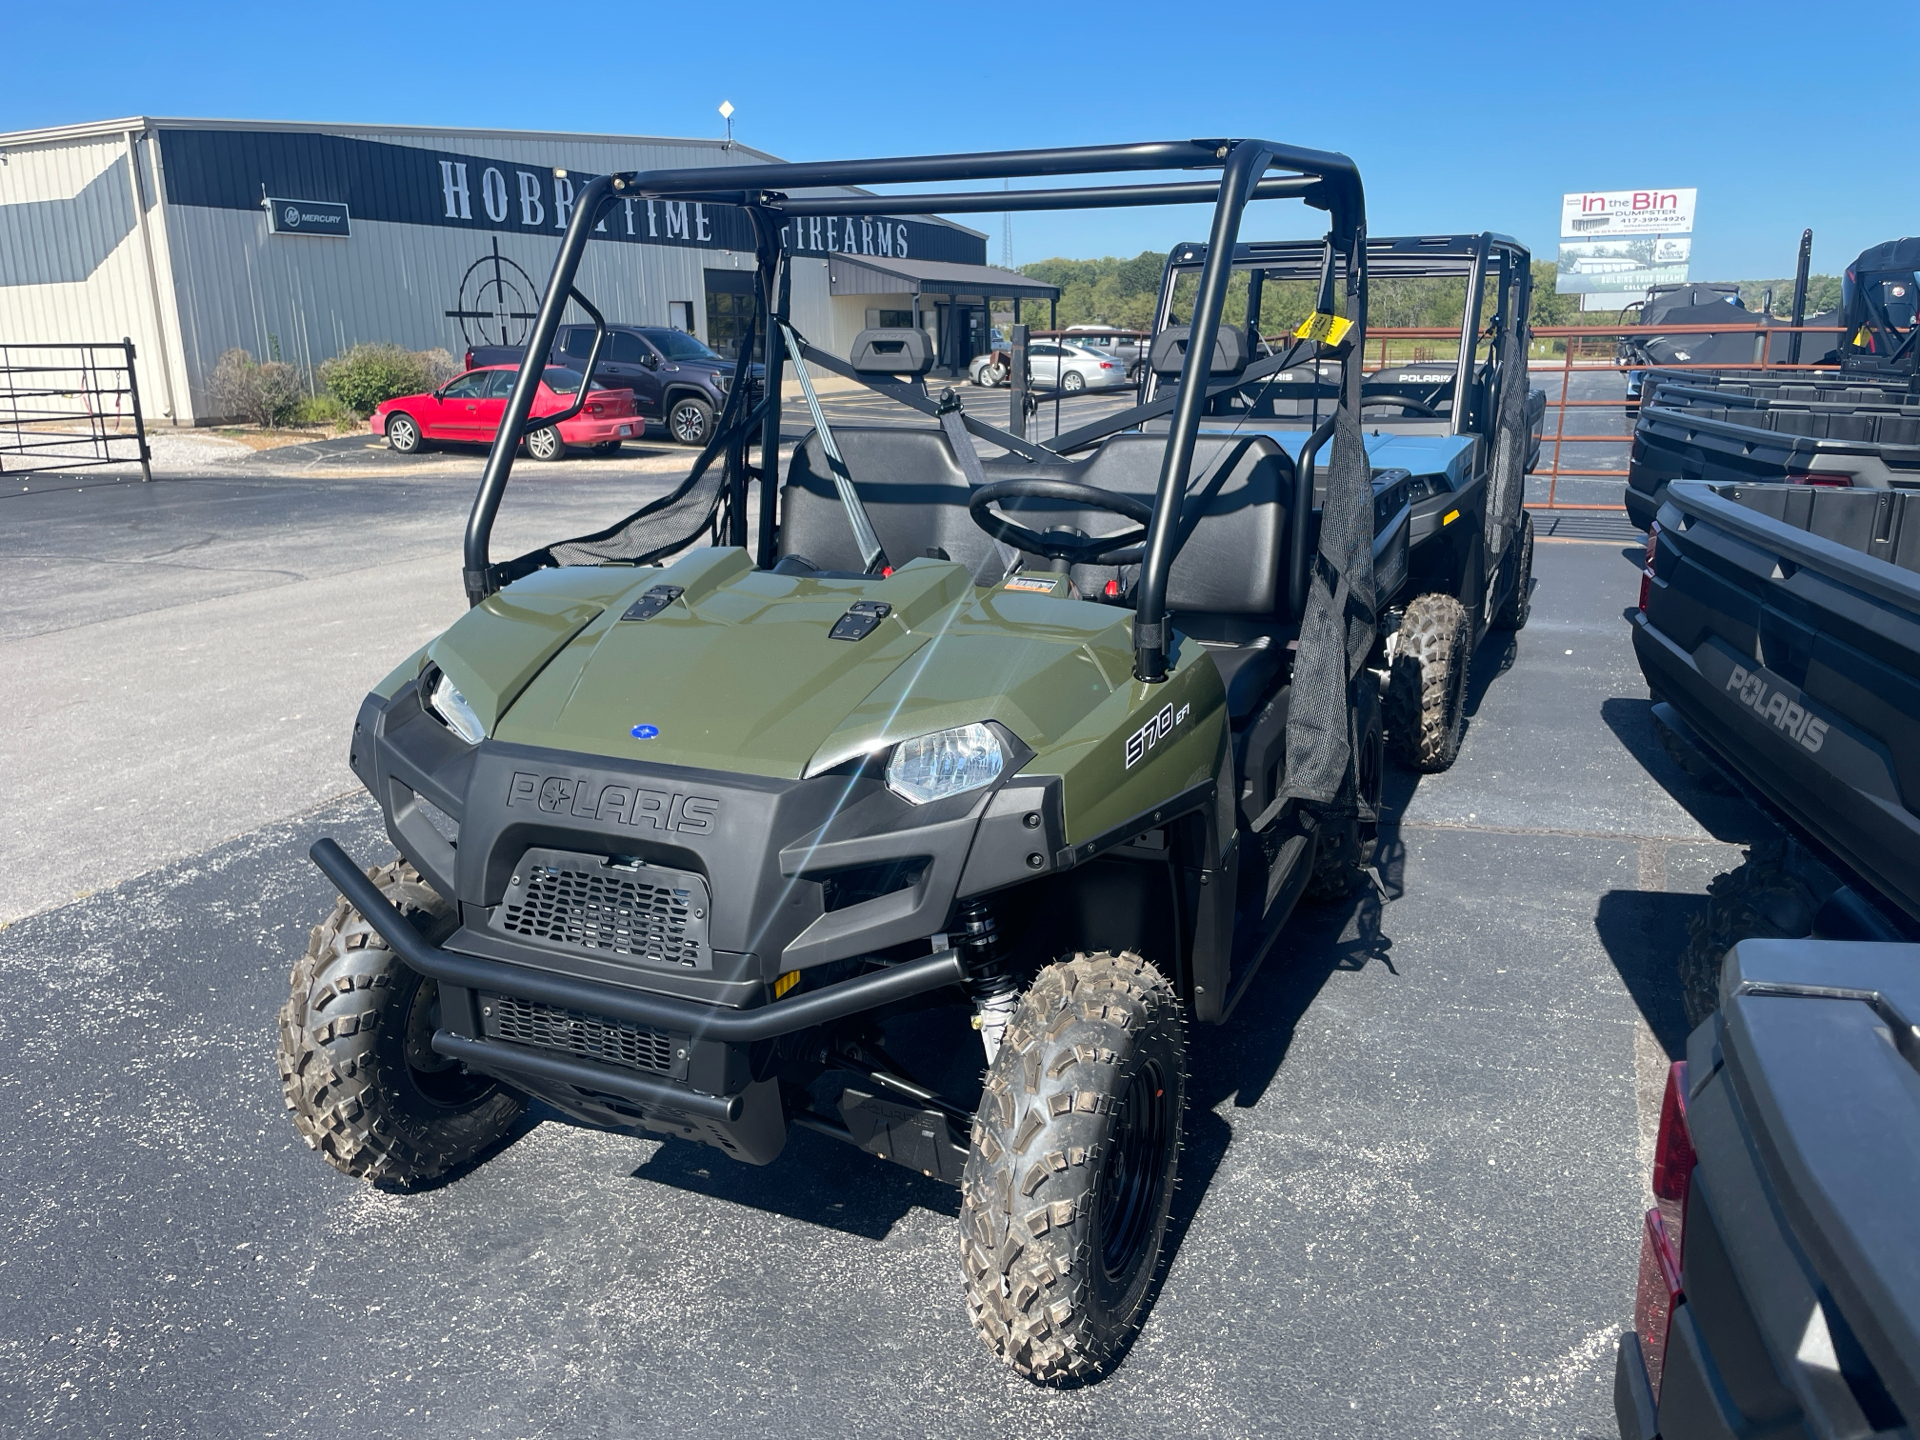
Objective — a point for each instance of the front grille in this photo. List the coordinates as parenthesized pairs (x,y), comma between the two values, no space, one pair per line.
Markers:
(527,1022)
(583,902)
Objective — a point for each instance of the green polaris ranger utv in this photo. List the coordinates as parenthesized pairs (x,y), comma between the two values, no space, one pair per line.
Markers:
(1043,748)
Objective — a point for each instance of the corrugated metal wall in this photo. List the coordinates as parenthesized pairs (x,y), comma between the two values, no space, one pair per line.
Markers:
(71,263)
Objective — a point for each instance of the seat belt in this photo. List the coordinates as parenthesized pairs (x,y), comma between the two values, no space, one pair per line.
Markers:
(873,557)
(953,423)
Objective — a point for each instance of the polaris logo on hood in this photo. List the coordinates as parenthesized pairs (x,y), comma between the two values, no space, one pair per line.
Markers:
(1772,704)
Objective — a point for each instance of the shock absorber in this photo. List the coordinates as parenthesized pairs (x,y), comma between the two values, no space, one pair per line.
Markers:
(995,992)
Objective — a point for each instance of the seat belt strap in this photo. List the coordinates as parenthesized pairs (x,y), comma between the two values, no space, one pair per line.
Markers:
(953,422)
(872,556)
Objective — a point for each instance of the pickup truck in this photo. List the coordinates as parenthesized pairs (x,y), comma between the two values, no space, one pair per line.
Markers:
(1779,1284)
(676,380)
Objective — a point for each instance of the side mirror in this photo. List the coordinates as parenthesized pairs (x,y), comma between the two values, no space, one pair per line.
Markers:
(440,392)
(650,360)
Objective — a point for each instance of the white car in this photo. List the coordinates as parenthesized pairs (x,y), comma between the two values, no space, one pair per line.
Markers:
(1050,363)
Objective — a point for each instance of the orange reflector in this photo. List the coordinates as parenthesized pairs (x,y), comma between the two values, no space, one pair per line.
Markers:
(1449,517)
(785,983)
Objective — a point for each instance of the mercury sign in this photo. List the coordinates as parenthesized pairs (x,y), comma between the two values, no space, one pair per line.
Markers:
(1591,213)
(306,217)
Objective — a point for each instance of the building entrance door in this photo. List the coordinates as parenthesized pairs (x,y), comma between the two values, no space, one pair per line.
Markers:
(963,335)
(730,302)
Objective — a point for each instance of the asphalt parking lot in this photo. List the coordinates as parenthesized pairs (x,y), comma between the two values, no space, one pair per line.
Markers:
(1416,1157)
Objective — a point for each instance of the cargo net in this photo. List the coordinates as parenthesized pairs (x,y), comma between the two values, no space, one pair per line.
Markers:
(1507,486)
(669,524)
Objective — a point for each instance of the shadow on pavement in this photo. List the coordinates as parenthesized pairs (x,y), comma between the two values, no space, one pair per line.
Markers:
(1644,932)
(1727,818)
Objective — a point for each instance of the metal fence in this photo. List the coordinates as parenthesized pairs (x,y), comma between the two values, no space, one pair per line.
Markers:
(1588,350)
(69,407)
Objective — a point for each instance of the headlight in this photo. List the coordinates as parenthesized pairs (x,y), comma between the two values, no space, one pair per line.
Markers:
(948,762)
(724,382)
(451,706)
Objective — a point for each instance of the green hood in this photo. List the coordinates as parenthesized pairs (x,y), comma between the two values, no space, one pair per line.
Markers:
(740,674)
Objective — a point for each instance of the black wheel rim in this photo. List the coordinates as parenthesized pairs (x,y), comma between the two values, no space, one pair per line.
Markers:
(438,1079)
(1135,1172)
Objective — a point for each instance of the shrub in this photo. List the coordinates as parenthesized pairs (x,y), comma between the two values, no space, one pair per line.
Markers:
(264,394)
(362,377)
(441,366)
(323,410)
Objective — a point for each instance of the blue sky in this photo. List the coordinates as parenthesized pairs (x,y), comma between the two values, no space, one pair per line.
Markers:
(1461,117)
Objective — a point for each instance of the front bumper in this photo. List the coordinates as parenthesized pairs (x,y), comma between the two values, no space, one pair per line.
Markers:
(706,1089)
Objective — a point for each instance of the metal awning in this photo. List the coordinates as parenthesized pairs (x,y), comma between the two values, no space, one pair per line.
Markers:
(866,275)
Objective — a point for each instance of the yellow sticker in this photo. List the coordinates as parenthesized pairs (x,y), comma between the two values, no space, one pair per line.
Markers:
(1028,582)
(1327,329)
(1449,517)
(785,983)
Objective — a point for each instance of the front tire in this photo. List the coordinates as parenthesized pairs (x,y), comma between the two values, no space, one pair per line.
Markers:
(1427,685)
(690,420)
(1514,610)
(403,434)
(356,1061)
(1069,1182)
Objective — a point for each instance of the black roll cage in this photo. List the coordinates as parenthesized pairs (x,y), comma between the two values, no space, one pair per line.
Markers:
(1322,179)
(1407,257)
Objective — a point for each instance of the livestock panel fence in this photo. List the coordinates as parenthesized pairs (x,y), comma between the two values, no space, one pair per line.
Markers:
(70,407)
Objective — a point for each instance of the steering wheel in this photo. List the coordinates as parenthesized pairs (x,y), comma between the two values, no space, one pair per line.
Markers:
(1388,402)
(1074,549)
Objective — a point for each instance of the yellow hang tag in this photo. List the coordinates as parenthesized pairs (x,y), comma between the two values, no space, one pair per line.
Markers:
(1327,329)
(1862,339)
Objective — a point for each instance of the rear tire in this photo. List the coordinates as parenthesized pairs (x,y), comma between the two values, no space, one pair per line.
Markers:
(1066,1192)
(1774,895)
(403,434)
(1515,609)
(690,420)
(546,444)
(1073,382)
(1427,688)
(356,1064)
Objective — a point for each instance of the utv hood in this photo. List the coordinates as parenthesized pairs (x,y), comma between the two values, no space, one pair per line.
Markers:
(742,673)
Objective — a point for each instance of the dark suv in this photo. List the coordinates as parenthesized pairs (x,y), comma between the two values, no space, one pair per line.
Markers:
(675,378)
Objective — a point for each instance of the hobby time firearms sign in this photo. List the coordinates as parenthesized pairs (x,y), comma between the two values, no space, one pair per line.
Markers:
(320,179)
(1624,241)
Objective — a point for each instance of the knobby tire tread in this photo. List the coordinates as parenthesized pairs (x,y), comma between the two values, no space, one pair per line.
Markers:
(1029,1193)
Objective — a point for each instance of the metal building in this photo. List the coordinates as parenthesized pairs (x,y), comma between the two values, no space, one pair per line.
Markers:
(296,241)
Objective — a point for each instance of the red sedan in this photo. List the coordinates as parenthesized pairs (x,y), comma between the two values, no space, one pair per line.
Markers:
(467,410)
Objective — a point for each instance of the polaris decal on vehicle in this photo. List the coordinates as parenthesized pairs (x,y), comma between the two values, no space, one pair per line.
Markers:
(629,805)
(1153,732)
(1772,704)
